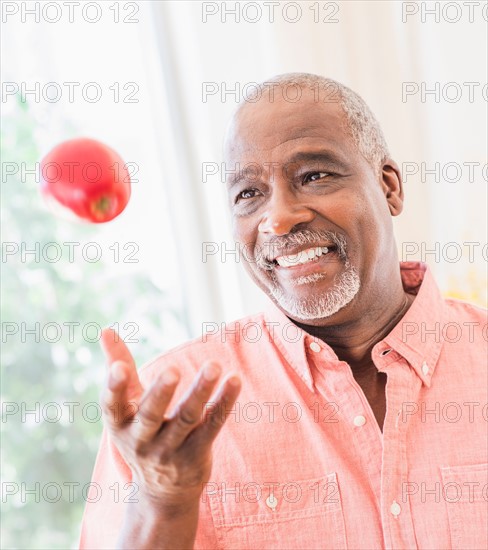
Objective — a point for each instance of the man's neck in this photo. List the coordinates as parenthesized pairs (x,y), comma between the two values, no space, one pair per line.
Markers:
(353,342)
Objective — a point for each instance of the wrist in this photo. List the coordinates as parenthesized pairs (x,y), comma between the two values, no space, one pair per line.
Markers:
(167,504)
(153,523)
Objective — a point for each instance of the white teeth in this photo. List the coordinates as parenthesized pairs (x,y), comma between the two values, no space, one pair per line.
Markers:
(284,261)
(302,257)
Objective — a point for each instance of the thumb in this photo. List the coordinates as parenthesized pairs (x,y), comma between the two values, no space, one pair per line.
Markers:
(115,350)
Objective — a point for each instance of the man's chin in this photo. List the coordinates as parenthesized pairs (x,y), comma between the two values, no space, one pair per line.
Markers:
(302,312)
(313,297)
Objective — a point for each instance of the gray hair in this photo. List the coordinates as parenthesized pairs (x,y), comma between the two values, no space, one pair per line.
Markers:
(361,122)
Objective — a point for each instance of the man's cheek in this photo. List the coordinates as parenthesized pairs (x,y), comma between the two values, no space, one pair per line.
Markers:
(260,276)
(247,252)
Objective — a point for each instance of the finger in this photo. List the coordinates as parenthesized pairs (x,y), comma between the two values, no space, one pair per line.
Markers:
(113,399)
(218,410)
(115,349)
(188,412)
(153,405)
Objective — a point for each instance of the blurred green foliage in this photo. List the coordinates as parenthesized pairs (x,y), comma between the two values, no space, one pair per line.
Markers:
(36,372)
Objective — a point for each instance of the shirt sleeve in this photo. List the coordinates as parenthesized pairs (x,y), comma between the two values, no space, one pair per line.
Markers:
(110,490)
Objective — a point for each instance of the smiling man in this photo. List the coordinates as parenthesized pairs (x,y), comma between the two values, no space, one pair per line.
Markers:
(347,424)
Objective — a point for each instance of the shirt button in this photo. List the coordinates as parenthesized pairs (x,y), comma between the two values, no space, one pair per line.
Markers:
(395,508)
(425,368)
(272,502)
(315,347)
(359,420)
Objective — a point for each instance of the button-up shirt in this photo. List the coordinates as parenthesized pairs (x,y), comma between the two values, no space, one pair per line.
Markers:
(301,461)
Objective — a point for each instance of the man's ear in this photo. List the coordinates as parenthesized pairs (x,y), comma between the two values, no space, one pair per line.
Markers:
(391,182)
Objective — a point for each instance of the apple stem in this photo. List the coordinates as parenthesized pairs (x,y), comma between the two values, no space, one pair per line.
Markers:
(101,206)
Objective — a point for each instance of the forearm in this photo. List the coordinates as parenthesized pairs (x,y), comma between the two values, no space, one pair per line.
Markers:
(149,527)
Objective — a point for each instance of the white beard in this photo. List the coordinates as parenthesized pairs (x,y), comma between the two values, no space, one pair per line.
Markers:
(318,306)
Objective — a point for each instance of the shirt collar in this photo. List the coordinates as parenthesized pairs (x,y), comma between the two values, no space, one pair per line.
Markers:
(418,335)
(409,338)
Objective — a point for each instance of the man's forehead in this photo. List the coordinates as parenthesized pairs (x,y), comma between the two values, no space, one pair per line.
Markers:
(267,125)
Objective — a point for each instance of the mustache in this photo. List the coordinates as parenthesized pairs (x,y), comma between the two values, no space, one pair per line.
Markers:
(281,246)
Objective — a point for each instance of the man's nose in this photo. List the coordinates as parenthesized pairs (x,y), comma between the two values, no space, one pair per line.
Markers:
(283,213)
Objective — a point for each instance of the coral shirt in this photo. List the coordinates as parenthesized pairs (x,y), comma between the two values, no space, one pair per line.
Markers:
(302,462)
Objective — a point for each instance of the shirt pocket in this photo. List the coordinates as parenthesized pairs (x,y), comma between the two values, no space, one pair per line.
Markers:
(299,514)
(465,491)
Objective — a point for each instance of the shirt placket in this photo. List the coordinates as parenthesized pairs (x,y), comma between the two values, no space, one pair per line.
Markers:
(337,383)
(403,386)
(368,439)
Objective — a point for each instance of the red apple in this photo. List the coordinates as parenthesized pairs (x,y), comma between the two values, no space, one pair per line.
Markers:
(87,177)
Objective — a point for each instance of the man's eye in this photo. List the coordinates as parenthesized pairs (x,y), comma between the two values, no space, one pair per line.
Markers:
(246,194)
(315,176)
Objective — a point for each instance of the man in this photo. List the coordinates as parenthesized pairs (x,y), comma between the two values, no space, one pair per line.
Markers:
(358,424)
